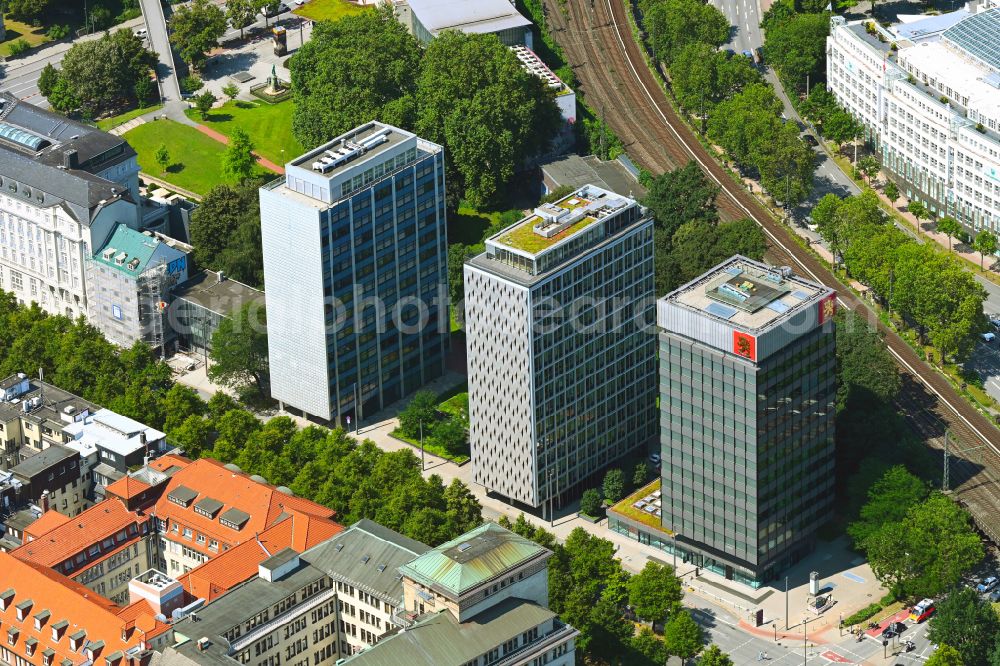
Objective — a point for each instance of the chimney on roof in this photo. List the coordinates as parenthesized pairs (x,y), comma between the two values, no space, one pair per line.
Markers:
(222,276)
(71,159)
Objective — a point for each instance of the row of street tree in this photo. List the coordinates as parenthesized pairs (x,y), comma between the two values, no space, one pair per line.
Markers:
(727,95)
(928,288)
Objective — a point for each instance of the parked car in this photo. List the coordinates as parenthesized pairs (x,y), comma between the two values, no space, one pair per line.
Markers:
(749,55)
(810,139)
(141,33)
(988,337)
(654,458)
(995,323)
(990,582)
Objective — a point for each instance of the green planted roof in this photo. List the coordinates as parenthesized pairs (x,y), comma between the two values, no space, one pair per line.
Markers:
(472,559)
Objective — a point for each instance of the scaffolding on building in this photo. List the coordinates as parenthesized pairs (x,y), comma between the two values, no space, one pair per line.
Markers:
(153,288)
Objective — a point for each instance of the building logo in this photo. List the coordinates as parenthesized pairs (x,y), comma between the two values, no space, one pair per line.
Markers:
(745,345)
(827,308)
(116,312)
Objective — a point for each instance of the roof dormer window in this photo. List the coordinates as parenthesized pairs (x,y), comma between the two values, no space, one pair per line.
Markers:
(6,598)
(75,639)
(23,609)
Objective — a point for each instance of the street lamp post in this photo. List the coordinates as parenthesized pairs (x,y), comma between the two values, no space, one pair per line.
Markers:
(774,625)
(786,603)
(805,641)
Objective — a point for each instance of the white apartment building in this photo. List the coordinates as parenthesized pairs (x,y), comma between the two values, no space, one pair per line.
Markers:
(63,188)
(928,93)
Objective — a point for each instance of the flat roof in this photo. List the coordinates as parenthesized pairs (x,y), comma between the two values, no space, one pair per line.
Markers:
(349,146)
(473,16)
(43,460)
(948,65)
(746,293)
(554,223)
(577,171)
(217,293)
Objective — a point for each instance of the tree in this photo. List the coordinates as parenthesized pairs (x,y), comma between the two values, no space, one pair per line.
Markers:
(194,435)
(950,227)
(179,403)
(195,29)
(420,410)
(889,501)
(239,162)
(985,244)
(101,74)
(225,232)
(945,655)
(966,622)
(239,349)
(746,123)
(613,486)
(683,636)
(785,163)
(47,79)
(640,474)
(655,592)
(927,552)
(918,210)
(650,646)
(891,191)
(350,71)
(204,102)
(796,48)
(713,656)
(235,428)
(451,435)
(869,167)
(231,90)
(474,97)
(268,8)
(27,10)
(866,372)
(673,24)
(841,127)
(590,502)
(240,13)
(679,196)
(702,76)
(62,98)
(162,157)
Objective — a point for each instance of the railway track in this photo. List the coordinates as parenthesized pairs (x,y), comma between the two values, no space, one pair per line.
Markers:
(612,74)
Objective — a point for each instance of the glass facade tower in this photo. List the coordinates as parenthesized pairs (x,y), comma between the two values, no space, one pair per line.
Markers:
(355,272)
(747,395)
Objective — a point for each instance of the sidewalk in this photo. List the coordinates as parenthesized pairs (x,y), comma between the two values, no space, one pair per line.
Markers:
(52,49)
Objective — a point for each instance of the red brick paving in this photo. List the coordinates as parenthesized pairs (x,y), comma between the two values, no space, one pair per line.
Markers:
(222,138)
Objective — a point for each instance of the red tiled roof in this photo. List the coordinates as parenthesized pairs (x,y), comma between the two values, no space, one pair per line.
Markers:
(104,519)
(210,479)
(67,600)
(239,563)
(48,521)
(127,487)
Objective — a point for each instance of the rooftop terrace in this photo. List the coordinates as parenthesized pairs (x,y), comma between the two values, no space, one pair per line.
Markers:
(553,223)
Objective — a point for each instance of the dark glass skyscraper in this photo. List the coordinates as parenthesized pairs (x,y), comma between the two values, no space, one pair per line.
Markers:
(747,397)
(356,272)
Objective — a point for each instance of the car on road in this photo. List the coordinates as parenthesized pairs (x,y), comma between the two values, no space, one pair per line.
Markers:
(923,610)
(810,139)
(730,53)
(987,337)
(990,582)
(748,54)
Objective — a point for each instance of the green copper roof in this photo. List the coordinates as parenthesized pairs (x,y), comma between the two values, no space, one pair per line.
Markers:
(136,247)
(472,559)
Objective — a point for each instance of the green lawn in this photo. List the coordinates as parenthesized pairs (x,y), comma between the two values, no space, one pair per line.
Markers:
(328,10)
(122,118)
(457,404)
(195,158)
(269,126)
(17,30)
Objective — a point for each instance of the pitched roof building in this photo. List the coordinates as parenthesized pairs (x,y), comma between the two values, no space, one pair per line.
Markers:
(49,619)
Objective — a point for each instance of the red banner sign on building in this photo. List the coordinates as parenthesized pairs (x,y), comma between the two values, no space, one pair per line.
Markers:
(827,308)
(745,345)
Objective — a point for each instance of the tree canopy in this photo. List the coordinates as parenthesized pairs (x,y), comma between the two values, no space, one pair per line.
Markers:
(195,29)
(351,71)
(239,161)
(225,232)
(474,97)
(674,24)
(796,47)
(655,592)
(239,350)
(101,74)
(967,623)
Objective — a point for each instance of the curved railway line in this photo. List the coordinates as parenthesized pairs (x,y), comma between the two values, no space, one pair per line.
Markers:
(612,73)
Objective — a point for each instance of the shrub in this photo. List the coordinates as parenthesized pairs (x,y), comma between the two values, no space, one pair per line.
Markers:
(590,503)
(18,46)
(980,128)
(191,84)
(862,615)
(58,32)
(944,99)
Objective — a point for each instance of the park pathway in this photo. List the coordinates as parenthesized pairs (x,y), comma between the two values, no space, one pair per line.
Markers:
(223,139)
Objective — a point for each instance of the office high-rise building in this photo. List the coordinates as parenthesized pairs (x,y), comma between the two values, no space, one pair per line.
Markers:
(355,272)
(746,416)
(561,370)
